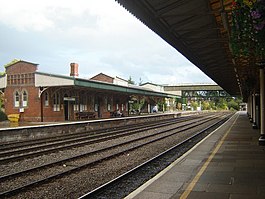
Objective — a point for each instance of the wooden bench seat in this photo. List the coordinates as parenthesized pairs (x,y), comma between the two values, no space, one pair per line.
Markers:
(85,115)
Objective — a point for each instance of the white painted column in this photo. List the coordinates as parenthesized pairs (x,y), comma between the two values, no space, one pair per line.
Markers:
(262,122)
(254,119)
(250,108)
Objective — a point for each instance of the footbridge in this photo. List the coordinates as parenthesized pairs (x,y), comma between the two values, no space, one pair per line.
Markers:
(197,90)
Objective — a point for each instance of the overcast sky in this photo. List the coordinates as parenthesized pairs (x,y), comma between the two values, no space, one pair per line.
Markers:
(99,35)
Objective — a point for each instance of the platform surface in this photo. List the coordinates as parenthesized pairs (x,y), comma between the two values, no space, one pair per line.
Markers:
(228,164)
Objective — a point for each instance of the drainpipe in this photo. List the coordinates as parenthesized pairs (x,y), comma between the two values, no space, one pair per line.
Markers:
(262,122)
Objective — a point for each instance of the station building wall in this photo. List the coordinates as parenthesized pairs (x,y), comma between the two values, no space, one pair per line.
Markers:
(24,95)
(20,94)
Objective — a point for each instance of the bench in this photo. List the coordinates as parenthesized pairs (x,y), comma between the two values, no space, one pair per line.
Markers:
(114,114)
(85,115)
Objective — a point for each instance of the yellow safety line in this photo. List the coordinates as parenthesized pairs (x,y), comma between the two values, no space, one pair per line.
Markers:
(205,165)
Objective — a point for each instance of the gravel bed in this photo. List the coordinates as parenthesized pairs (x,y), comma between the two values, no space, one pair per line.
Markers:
(62,154)
(88,179)
(64,167)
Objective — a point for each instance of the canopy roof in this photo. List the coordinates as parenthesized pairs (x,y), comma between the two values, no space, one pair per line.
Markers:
(201,31)
(54,80)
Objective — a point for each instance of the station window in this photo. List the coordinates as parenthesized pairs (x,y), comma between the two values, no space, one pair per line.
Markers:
(16,97)
(26,78)
(8,80)
(56,102)
(46,99)
(25,99)
(76,105)
(83,107)
(109,102)
(96,103)
(21,79)
(14,79)
(18,78)
(83,103)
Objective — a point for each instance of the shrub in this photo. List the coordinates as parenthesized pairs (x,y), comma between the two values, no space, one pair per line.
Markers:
(3,116)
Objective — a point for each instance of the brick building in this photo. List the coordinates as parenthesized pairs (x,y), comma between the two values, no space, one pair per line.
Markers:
(38,96)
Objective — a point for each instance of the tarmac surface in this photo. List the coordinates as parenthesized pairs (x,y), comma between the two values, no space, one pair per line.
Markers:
(227,164)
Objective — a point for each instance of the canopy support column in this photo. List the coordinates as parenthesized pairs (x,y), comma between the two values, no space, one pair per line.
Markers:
(262,122)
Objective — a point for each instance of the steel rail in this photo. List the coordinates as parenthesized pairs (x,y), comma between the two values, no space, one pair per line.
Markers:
(94,193)
(101,150)
(12,156)
(89,164)
(16,144)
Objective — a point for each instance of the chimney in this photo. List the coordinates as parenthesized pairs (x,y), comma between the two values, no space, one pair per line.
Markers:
(74,70)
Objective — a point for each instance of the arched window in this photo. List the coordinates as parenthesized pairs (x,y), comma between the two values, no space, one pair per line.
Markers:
(46,99)
(25,98)
(56,102)
(16,99)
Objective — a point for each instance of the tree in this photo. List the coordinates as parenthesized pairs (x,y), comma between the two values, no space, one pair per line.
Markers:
(130,81)
(206,105)
(194,105)
(221,104)
(233,104)
(140,81)
(139,104)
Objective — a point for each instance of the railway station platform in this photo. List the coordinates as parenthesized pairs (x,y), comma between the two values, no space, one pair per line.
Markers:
(227,164)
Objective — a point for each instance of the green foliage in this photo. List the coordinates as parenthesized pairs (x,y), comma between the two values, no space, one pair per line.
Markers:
(12,62)
(162,106)
(1,101)
(206,105)
(247,29)
(233,104)
(212,105)
(138,105)
(217,104)
(194,105)
(3,116)
(221,104)
(130,81)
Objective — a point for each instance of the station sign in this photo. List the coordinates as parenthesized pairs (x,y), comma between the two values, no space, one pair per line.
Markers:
(69,99)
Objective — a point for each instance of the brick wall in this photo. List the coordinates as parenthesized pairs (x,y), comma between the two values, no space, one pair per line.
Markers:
(21,67)
(21,78)
(31,112)
(103,78)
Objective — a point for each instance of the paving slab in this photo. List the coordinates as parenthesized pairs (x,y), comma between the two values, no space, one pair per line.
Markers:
(229,163)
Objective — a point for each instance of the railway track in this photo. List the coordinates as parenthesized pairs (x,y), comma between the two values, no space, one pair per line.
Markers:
(50,172)
(126,183)
(20,150)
